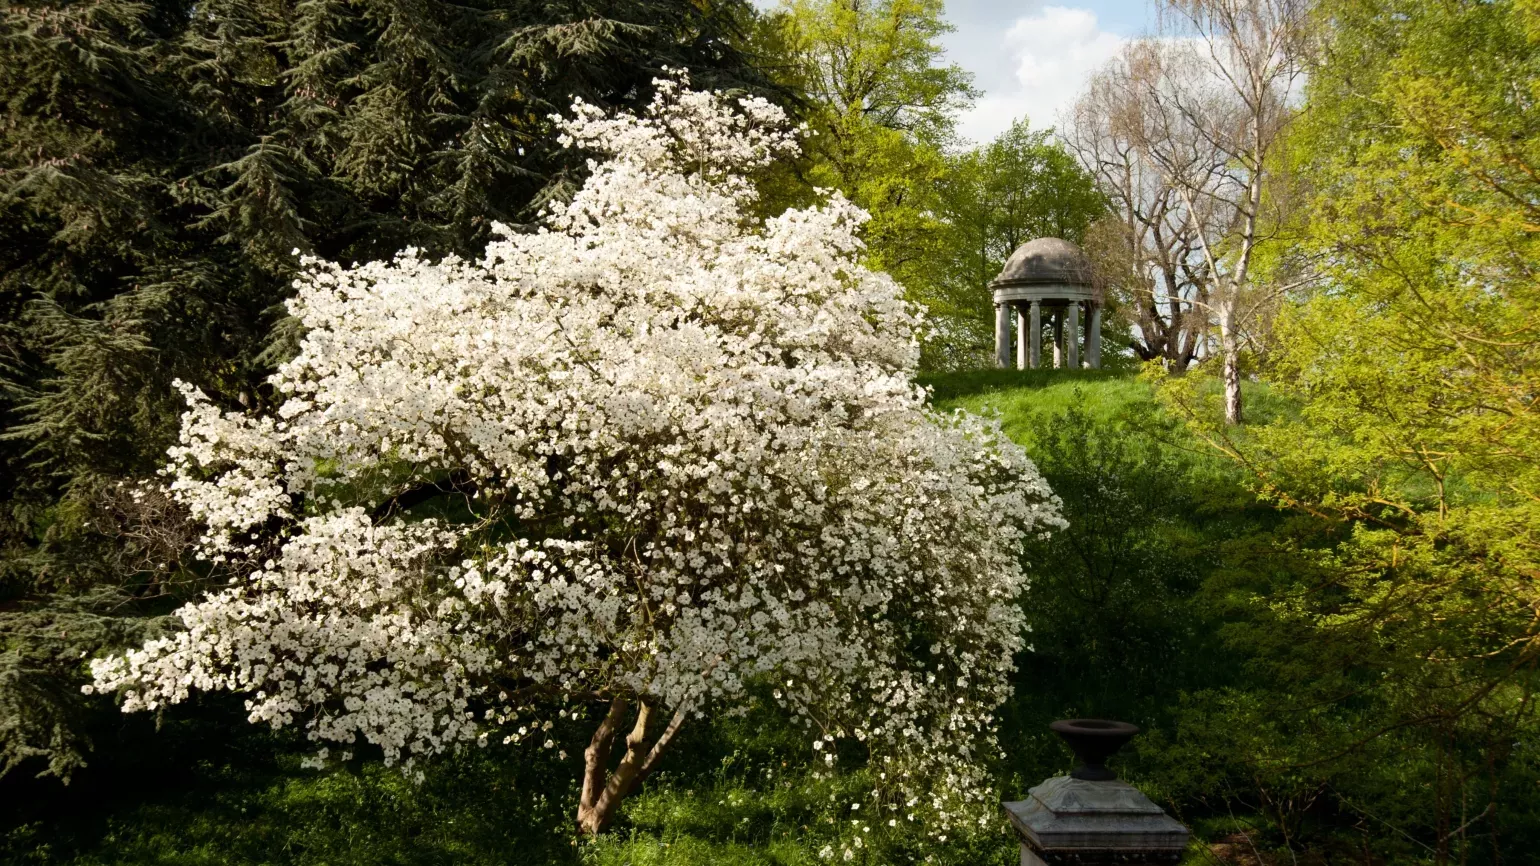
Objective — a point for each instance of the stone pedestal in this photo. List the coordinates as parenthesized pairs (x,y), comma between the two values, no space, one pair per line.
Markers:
(1073,821)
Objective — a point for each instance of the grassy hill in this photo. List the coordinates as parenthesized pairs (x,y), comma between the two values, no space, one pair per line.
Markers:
(1115,397)
(1019,395)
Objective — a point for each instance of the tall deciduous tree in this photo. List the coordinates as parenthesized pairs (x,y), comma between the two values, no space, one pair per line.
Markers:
(652,457)
(883,109)
(1208,112)
(159,164)
(1235,101)
(1145,249)
(876,61)
(945,214)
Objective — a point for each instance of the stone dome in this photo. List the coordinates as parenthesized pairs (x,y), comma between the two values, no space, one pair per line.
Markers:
(1045,260)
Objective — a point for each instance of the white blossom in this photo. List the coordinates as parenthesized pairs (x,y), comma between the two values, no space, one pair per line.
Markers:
(680,454)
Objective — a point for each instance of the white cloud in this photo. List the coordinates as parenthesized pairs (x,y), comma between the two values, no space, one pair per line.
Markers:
(1052,52)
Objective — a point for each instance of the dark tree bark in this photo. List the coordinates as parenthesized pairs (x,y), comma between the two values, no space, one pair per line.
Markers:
(604,789)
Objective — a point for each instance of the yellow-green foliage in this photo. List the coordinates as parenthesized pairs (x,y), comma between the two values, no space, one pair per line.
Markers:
(1415,367)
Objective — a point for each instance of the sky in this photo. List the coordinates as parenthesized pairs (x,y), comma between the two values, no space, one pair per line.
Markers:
(1029,57)
(1032,58)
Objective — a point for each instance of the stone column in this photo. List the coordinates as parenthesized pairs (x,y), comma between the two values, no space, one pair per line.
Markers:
(1093,338)
(1035,335)
(1072,337)
(1002,336)
(1021,338)
(1058,337)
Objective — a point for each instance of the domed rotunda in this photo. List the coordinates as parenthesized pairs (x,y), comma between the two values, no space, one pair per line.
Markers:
(1054,274)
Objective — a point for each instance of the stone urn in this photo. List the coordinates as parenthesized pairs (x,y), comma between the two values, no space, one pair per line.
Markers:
(1091,817)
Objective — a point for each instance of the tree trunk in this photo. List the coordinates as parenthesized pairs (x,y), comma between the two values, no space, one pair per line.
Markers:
(1229,347)
(604,788)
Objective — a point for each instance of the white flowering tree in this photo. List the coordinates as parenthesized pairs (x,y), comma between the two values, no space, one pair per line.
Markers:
(658,456)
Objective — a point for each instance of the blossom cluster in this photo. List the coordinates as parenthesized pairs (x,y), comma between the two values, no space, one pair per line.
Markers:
(657,447)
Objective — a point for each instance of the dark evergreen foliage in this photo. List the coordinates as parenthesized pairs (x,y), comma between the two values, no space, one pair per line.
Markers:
(160,161)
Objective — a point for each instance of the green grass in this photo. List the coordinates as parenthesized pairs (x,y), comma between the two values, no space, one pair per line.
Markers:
(1018,395)
(948,387)
(1111,396)
(472,809)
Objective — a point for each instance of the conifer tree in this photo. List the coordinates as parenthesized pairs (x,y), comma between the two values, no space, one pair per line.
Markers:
(160,164)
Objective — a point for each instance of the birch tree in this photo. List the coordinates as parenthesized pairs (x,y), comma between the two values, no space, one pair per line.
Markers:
(1229,93)
(1207,106)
